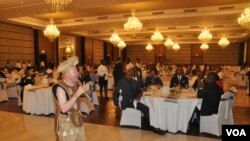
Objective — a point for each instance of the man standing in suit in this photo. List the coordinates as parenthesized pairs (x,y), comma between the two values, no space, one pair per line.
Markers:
(118,71)
(179,79)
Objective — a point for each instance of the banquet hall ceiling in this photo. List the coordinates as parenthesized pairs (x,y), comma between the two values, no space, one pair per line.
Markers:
(182,20)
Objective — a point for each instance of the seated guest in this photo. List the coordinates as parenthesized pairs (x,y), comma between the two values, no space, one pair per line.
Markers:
(26,80)
(129,64)
(220,73)
(179,79)
(18,65)
(8,65)
(199,83)
(152,79)
(130,92)
(211,95)
(85,78)
(2,74)
(93,78)
(200,77)
(136,75)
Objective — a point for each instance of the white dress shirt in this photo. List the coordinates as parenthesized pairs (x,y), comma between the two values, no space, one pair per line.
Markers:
(102,71)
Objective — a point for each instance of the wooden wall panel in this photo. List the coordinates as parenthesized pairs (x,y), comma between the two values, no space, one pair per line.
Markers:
(88,51)
(160,50)
(115,53)
(196,54)
(3,49)
(139,51)
(182,56)
(3,56)
(46,45)
(16,43)
(110,51)
(218,55)
(3,26)
(98,51)
(3,33)
(3,41)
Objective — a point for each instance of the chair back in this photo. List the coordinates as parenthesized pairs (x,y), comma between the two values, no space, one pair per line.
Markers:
(131,118)
(225,111)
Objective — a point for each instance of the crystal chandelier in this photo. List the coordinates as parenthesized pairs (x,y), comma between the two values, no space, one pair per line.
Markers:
(223,42)
(204,46)
(205,36)
(114,39)
(149,47)
(121,44)
(176,47)
(133,24)
(58,5)
(157,37)
(244,19)
(51,31)
(169,43)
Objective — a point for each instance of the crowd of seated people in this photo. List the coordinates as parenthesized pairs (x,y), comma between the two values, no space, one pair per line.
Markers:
(129,81)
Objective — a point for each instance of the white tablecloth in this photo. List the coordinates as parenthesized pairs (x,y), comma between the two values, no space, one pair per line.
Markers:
(12,92)
(39,101)
(170,114)
(3,93)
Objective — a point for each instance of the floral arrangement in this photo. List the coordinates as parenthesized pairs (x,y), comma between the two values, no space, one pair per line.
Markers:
(175,90)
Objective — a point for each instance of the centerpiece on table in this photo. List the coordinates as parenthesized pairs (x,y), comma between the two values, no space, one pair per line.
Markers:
(175,90)
(154,88)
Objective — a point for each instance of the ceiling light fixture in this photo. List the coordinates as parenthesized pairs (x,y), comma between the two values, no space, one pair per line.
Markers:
(58,5)
(114,39)
(157,36)
(68,50)
(149,47)
(133,24)
(51,31)
(205,35)
(169,43)
(121,44)
(204,46)
(176,47)
(223,42)
(244,19)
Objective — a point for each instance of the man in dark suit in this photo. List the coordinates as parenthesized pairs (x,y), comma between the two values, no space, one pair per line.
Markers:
(153,79)
(179,79)
(130,93)
(211,95)
(118,71)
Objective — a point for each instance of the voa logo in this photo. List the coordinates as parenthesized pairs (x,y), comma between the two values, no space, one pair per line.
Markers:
(236,132)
